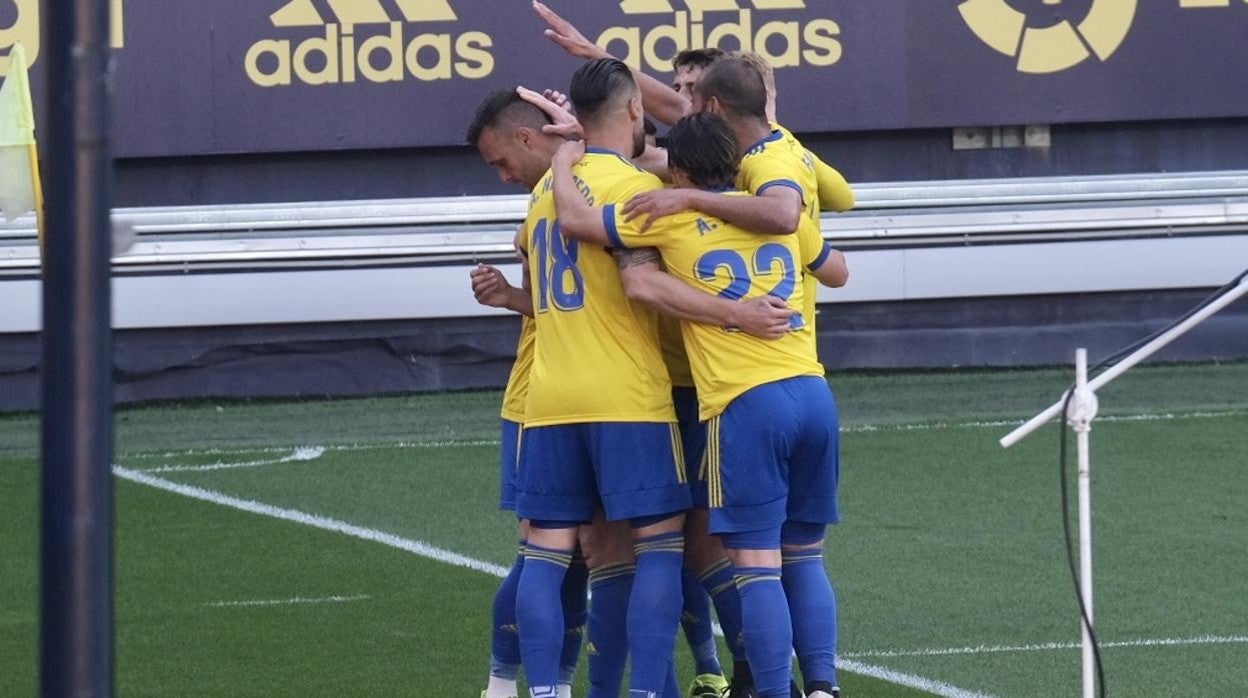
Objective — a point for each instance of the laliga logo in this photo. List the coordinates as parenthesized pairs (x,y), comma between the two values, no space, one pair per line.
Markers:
(23,27)
(783,44)
(1052,48)
(338,55)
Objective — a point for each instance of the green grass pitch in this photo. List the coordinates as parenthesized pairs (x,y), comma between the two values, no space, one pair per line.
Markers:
(949,564)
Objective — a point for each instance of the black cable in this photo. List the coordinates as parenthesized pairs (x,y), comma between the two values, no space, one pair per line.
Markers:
(1061,463)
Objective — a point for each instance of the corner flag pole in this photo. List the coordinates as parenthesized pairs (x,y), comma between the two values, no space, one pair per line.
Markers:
(1079,415)
(76,572)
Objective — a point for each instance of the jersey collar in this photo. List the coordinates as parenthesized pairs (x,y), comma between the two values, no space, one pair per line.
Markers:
(775,135)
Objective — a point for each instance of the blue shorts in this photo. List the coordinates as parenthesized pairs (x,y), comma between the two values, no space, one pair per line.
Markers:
(627,469)
(509,459)
(772,457)
(693,441)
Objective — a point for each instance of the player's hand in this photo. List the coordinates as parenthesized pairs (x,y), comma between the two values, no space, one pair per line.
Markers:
(559,98)
(563,122)
(656,204)
(766,317)
(568,37)
(489,286)
(568,155)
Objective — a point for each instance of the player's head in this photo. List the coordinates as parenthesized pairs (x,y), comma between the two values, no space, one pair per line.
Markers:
(607,98)
(507,131)
(689,65)
(702,152)
(764,69)
(733,89)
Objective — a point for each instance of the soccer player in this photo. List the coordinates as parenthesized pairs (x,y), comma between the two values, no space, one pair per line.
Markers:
(688,66)
(600,428)
(508,134)
(772,444)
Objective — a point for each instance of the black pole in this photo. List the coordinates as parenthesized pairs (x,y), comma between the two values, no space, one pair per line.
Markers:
(76,640)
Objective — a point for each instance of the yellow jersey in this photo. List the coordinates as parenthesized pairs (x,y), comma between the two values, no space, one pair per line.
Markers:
(780,160)
(517,391)
(672,343)
(834,190)
(721,259)
(597,357)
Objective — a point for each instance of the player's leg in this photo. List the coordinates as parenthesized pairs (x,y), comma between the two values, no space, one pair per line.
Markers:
(705,554)
(575,615)
(702,551)
(748,493)
(505,643)
(608,553)
(813,476)
(554,491)
(640,479)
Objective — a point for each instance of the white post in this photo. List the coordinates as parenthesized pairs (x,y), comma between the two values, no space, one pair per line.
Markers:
(1082,409)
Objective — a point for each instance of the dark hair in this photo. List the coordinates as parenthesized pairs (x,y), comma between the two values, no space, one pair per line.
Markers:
(504,108)
(696,58)
(599,86)
(703,147)
(651,129)
(737,85)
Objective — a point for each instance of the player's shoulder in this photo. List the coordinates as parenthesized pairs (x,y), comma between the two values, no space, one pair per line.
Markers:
(545,186)
(764,145)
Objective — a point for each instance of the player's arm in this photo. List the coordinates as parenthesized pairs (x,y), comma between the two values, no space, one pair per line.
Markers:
(835,194)
(490,287)
(660,100)
(654,161)
(577,218)
(777,210)
(644,280)
(824,262)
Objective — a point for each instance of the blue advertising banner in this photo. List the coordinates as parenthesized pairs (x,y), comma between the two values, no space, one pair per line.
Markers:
(234,76)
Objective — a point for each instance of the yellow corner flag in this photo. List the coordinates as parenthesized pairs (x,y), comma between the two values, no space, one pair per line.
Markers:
(20,192)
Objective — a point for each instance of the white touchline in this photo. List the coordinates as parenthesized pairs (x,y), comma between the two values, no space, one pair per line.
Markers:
(412,546)
(853,429)
(299,454)
(451,558)
(287,602)
(1047,646)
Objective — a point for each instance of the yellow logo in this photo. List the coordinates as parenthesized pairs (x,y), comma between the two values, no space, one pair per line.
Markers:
(25,29)
(1052,48)
(362,41)
(705,23)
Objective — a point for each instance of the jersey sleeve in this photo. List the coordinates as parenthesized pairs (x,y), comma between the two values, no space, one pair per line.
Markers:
(627,234)
(814,249)
(834,191)
(762,171)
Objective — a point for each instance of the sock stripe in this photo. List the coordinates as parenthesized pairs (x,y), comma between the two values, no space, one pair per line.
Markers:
(799,558)
(744,579)
(606,572)
(662,543)
(562,558)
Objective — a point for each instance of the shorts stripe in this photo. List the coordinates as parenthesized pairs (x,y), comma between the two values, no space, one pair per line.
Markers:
(678,451)
(714,481)
(519,445)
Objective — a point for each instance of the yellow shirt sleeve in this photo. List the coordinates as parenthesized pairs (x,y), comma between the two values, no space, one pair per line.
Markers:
(834,191)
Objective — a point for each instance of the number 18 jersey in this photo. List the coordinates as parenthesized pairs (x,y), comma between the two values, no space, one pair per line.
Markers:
(597,357)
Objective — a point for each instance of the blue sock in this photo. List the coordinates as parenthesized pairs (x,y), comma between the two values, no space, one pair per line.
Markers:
(719,582)
(765,614)
(695,618)
(539,615)
(654,611)
(505,646)
(574,612)
(611,586)
(812,604)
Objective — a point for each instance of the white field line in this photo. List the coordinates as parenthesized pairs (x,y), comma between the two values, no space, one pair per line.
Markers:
(434,553)
(861,428)
(939,688)
(287,602)
(412,546)
(1048,646)
(299,454)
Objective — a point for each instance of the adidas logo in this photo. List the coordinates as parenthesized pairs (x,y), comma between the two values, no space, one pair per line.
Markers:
(754,26)
(23,29)
(367,40)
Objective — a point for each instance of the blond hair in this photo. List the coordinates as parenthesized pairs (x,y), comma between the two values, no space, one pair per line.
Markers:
(757,62)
